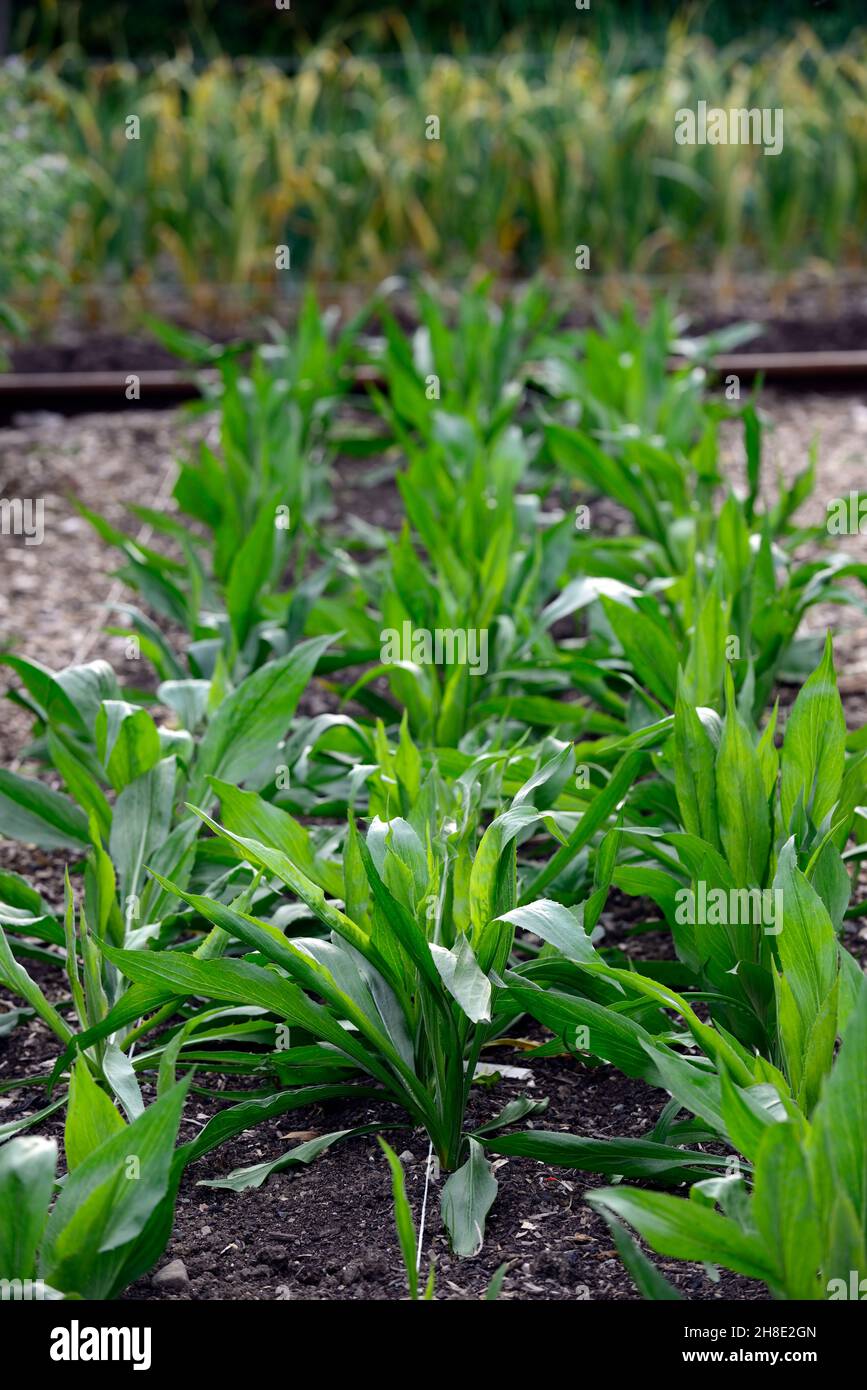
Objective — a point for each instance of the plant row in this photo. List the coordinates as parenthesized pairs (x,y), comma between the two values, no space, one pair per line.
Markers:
(232,174)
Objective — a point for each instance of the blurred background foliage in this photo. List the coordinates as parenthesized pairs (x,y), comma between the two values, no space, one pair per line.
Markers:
(554,134)
(115,28)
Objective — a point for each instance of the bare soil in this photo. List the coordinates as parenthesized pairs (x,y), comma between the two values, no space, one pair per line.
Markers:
(109,351)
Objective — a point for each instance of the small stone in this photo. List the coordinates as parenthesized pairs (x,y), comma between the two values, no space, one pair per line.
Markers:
(407,1157)
(172,1277)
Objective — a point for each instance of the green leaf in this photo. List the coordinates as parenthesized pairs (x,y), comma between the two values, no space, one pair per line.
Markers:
(612,1035)
(27,1169)
(402,1218)
(807,946)
(188,699)
(840,1118)
(785,1213)
(106,1203)
(465,982)
(247,1114)
(467,1197)
(127,741)
(36,815)
(251,721)
(141,823)
(241,1179)
(91,1117)
(247,815)
(558,925)
(643,1272)
(239,982)
(278,863)
(47,691)
(744,818)
(87,686)
(250,570)
(13,1127)
(694,772)
(14,977)
(604,803)
(748,1112)
(648,648)
(684,1230)
(631,1158)
(80,781)
(814,745)
(511,1113)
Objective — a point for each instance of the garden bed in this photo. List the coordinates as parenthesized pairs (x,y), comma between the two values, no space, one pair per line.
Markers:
(327,1231)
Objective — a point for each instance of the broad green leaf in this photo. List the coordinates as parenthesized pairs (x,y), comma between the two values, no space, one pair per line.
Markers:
(46,690)
(744,818)
(648,647)
(140,824)
(467,1197)
(807,945)
(188,699)
(610,1035)
(748,1112)
(252,720)
(27,1169)
(36,815)
(106,1203)
(814,745)
(631,1158)
(786,1214)
(465,982)
(127,741)
(91,1117)
(558,925)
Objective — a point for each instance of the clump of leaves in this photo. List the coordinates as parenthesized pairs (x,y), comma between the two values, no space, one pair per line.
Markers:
(407,977)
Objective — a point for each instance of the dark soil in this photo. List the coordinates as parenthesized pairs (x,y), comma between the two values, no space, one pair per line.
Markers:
(100,352)
(327,1231)
(103,352)
(844,334)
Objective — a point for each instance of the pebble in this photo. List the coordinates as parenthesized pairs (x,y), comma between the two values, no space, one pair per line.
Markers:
(172,1277)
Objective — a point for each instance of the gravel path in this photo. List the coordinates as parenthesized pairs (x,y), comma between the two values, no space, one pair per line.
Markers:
(53,594)
(838,426)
